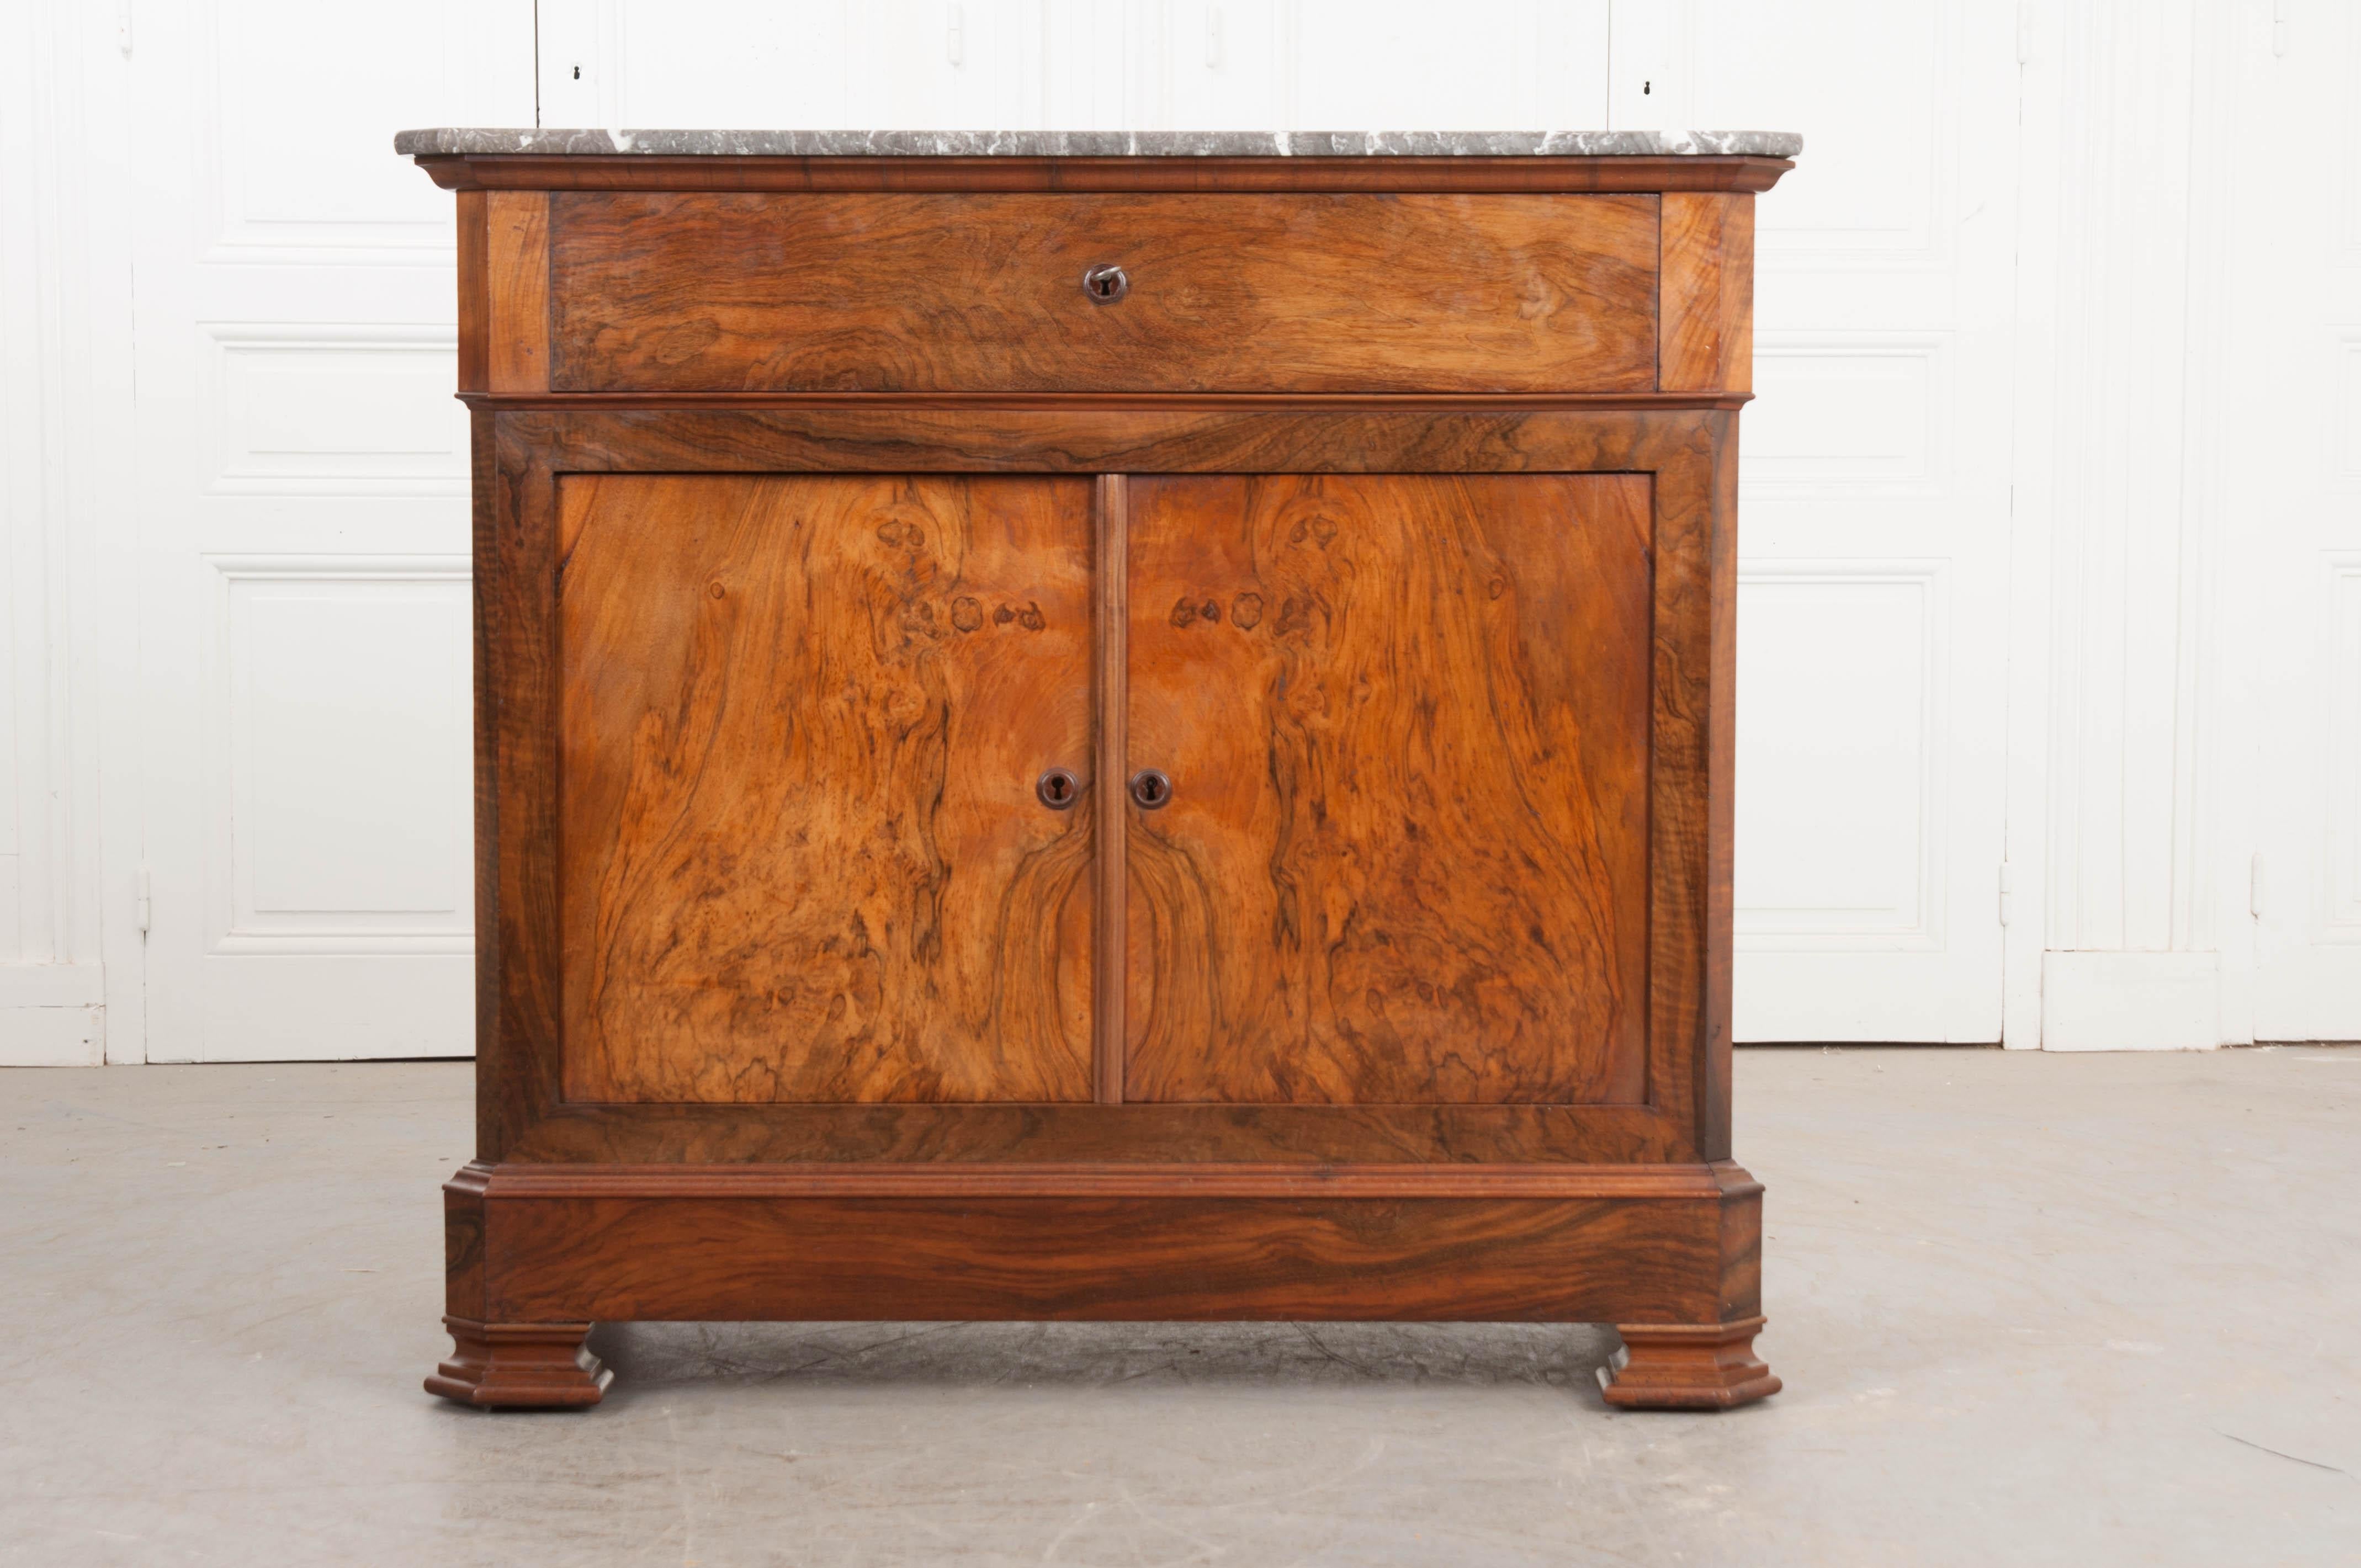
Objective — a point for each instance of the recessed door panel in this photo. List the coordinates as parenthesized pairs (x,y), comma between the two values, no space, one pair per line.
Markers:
(1404,856)
(802,854)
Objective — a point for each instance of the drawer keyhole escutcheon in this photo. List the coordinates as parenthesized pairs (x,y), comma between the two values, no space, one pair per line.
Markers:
(1058,789)
(1150,789)
(1106,284)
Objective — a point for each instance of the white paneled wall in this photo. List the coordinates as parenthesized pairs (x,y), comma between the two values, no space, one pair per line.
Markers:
(2050,642)
(63,328)
(1075,64)
(302,524)
(2281,509)
(2127,917)
(1875,536)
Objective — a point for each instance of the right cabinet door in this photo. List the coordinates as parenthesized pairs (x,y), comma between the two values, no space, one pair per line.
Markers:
(1403,859)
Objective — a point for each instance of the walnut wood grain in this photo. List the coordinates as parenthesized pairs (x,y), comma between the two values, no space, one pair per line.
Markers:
(984,1134)
(1487,1260)
(474,306)
(886,436)
(1708,293)
(516,227)
(464,1277)
(1668,1249)
(523,1112)
(802,721)
(1718,839)
(1112,697)
(520,1366)
(1691,667)
(1742,1240)
(1085,1178)
(520,1065)
(477,172)
(503,1092)
(690,291)
(1406,856)
(1688,1366)
(988,404)
(507,1364)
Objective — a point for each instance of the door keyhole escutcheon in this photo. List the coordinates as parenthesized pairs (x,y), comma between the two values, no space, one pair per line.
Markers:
(1058,789)
(1105,284)
(1150,789)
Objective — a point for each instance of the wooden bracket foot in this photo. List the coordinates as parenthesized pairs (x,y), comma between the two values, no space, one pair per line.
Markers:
(1688,1366)
(520,1365)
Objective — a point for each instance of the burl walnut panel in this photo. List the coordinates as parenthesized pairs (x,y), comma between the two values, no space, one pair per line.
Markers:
(1406,717)
(708,291)
(801,721)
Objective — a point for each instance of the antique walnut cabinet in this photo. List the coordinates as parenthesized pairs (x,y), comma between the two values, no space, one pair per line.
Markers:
(1103,727)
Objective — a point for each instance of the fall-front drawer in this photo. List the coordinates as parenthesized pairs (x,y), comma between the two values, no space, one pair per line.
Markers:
(713,291)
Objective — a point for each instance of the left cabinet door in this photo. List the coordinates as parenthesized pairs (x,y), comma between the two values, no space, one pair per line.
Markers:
(803,852)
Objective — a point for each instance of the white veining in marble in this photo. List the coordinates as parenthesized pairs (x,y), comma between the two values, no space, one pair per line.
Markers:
(451,139)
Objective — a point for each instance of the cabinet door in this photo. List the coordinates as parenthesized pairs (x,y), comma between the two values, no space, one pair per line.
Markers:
(1406,721)
(801,854)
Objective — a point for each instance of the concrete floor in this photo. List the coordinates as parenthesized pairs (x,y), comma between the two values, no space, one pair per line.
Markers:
(2030,1310)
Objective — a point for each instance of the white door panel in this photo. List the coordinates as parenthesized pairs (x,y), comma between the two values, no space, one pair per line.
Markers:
(2300,263)
(304,535)
(1873,500)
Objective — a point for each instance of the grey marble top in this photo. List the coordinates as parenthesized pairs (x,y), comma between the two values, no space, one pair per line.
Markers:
(1104,144)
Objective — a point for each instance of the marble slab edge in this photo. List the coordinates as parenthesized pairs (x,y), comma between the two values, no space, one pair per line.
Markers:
(478,140)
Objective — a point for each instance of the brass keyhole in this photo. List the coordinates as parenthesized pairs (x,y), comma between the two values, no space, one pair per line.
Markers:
(1058,789)
(1106,284)
(1150,789)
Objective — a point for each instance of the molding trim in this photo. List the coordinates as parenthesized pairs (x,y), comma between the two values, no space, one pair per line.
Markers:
(234,926)
(2131,1002)
(52,985)
(1921,929)
(51,1015)
(1920,469)
(976,1179)
(638,171)
(64,323)
(360,443)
